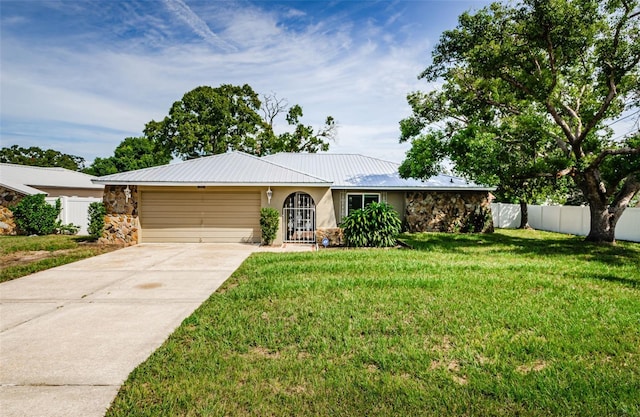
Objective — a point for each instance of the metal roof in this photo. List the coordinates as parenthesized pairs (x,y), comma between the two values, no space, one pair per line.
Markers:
(27,179)
(232,168)
(349,171)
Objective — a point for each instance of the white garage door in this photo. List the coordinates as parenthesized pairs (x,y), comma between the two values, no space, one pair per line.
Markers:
(208,217)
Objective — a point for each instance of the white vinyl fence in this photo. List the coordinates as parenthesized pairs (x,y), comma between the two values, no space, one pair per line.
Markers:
(564,219)
(74,210)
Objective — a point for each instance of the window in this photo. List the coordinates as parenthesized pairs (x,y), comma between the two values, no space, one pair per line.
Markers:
(358,201)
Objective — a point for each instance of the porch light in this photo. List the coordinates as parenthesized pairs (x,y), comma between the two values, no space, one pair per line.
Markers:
(269,194)
(127,194)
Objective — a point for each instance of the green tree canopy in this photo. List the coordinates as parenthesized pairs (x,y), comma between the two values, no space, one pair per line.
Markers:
(130,154)
(303,138)
(35,156)
(529,93)
(212,120)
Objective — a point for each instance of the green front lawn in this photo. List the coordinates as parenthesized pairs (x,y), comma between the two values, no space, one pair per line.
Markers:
(515,323)
(24,255)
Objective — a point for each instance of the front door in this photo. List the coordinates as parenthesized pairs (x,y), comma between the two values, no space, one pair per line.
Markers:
(299,214)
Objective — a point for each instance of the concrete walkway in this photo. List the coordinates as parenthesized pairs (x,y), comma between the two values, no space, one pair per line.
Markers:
(70,336)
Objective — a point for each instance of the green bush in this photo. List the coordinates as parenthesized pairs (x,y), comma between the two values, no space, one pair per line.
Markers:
(269,220)
(34,216)
(97,212)
(67,229)
(376,225)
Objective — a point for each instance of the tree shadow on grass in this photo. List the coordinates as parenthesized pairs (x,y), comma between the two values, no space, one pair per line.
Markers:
(534,243)
(612,278)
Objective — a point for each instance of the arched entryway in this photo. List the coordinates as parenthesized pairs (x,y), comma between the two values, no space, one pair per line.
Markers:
(299,213)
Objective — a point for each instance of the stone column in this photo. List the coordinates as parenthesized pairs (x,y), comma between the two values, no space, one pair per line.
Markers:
(121,223)
(8,199)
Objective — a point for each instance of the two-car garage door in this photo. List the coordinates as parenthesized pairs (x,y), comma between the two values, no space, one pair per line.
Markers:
(200,216)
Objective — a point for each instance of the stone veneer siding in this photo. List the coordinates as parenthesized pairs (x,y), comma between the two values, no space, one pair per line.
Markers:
(334,234)
(8,199)
(121,223)
(448,211)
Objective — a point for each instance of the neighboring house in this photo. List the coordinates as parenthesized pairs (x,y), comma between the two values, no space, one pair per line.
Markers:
(75,190)
(218,198)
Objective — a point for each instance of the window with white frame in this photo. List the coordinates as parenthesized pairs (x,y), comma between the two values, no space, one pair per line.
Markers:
(357,201)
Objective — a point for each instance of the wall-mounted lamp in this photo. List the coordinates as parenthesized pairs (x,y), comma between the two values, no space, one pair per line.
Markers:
(269,194)
(127,194)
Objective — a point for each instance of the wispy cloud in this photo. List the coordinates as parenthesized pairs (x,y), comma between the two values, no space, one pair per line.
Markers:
(199,26)
(332,62)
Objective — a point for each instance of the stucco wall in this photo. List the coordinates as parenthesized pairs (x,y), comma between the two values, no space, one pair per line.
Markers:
(322,197)
(71,192)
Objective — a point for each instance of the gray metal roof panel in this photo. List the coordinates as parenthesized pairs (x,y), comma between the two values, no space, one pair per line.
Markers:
(230,168)
(35,177)
(349,171)
(21,188)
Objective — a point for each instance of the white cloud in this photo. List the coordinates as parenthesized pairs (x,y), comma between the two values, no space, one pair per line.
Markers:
(184,13)
(329,69)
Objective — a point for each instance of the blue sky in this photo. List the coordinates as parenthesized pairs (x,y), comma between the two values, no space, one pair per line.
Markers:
(80,76)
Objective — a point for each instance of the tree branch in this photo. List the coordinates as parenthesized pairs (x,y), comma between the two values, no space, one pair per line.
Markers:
(610,152)
(613,92)
(272,106)
(574,115)
(560,122)
(622,199)
(611,83)
(561,144)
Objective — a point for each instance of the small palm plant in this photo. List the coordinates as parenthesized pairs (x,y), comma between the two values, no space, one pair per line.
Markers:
(376,225)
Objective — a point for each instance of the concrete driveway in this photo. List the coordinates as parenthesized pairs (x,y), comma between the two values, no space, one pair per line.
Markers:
(70,336)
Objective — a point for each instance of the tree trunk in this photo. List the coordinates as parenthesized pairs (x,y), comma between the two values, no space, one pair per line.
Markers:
(524,216)
(603,225)
(605,214)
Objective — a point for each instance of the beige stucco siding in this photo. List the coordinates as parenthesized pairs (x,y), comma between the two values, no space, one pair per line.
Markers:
(396,199)
(322,197)
(71,192)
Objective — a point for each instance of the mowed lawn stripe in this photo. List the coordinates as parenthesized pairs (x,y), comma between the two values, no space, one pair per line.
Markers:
(514,323)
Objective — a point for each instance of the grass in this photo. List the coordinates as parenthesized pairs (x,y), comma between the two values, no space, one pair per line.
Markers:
(515,323)
(24,255)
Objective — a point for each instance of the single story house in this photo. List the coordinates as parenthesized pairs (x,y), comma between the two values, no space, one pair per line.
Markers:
(18,181)
(218,198)
(74,189)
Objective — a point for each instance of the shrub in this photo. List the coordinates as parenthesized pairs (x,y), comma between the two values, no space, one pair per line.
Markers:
(97,212)
(67,229)
(269,220)
(34,216)
(376,225)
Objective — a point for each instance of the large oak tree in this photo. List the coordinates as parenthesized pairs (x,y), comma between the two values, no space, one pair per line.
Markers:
(210,120)
(571,67)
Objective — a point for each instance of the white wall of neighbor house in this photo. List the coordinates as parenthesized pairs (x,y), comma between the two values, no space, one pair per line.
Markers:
(75,192)
(74,210)
(564,219)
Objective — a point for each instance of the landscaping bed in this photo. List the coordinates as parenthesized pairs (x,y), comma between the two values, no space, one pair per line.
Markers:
(513,323)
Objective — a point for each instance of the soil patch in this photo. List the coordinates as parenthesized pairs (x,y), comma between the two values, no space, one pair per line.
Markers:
(27,257)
